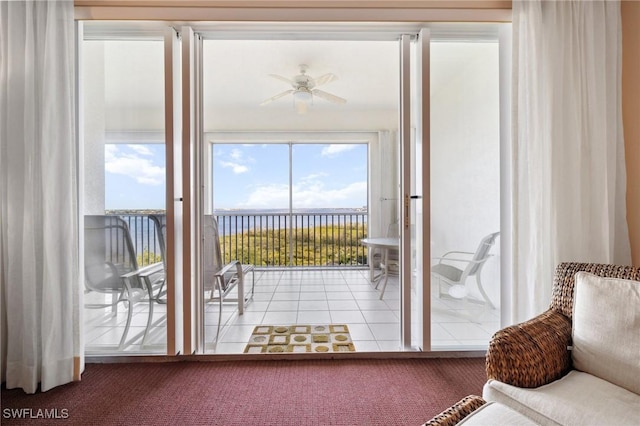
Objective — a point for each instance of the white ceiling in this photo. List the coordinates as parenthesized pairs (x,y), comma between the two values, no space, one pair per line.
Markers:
(236,72)
(236,80)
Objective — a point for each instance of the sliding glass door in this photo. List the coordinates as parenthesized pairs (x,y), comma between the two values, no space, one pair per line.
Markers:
(124,177)
(443,192)
(452,139)
(295,189)
(130,187)
(287,152)
(465,188)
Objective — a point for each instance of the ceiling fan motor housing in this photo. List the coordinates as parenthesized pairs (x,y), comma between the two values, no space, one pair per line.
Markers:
(303,81)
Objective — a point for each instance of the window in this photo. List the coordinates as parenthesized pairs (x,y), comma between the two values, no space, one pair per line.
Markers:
(309,198)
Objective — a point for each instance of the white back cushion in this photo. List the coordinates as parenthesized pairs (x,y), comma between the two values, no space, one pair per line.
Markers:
(606,329)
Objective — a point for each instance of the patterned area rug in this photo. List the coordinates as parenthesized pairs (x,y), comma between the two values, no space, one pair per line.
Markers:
(300,338)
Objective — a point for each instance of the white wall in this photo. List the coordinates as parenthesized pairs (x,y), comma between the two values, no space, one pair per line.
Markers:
(93,91)
(328,119)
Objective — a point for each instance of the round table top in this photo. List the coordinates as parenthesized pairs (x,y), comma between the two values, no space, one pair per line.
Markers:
(381,241)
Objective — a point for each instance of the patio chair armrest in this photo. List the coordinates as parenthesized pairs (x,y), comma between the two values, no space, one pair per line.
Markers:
(453,259)
(229,266)
(533,353)
(458,252)
(144,271)
(458,411)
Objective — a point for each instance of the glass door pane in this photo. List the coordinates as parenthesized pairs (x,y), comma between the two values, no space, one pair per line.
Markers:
(124,166)
(251,201)
(336,182)
(329,204)
(250,193)
(465,193)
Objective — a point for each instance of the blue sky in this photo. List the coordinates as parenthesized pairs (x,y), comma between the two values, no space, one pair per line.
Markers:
(246,176)
(134,176)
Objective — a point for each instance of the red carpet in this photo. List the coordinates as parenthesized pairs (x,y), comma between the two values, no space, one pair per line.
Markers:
(304,392)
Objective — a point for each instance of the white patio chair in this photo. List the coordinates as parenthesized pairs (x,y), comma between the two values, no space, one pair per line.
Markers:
(111,267)
(220,278)
(160,224)
(454,267)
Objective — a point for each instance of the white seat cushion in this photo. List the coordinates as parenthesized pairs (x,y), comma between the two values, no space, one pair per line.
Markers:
(606,329)
(496,414)
(576,399)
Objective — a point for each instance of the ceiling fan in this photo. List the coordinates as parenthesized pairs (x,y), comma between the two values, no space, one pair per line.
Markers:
(304,89)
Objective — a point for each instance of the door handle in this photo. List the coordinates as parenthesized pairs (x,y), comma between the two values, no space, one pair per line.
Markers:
(415,197)
(406,211)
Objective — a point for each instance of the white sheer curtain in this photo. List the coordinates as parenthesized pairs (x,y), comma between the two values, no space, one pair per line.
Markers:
(384,184)
(569,189)
(38,222)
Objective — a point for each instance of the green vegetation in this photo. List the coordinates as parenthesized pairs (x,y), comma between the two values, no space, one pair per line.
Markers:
(148,258)
(313,246)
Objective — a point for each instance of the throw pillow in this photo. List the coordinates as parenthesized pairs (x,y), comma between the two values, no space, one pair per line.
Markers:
(606,329)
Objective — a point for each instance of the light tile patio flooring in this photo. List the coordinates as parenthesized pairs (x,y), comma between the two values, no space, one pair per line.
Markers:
(304,296)
(345,296)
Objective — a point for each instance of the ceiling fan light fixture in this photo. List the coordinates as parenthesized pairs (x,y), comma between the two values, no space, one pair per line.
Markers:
(302,95)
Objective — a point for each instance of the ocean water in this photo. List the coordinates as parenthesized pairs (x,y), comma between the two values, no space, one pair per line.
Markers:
(230,221)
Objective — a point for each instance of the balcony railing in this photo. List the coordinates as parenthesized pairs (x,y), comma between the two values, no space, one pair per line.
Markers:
(144,238)
(318,239)
(311,239)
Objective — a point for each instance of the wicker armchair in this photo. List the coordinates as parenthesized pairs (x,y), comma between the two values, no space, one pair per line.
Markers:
(535,353)
(458,411)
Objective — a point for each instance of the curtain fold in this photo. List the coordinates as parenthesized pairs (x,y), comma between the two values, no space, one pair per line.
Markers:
(384,204)
(570,179)
(38,222)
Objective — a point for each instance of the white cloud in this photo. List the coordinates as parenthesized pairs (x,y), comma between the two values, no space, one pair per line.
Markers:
(143,170)
(268,196)
(235,160)
(307,194)
(141,149)
(313,177)
(110,151)
(351,195)
(235,167)
(236,154)
(335,149)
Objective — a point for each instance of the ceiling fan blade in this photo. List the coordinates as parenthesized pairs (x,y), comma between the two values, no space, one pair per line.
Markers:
(328,96)
(324,79)
(278,96)
(281,78)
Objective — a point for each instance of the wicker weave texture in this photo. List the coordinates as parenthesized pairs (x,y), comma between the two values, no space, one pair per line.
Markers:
(457,411)
(564,281)
(535,352)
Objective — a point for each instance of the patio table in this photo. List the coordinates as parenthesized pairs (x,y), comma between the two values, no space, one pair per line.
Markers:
(384,243)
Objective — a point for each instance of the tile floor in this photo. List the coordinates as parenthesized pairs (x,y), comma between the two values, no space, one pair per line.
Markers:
(304,296)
